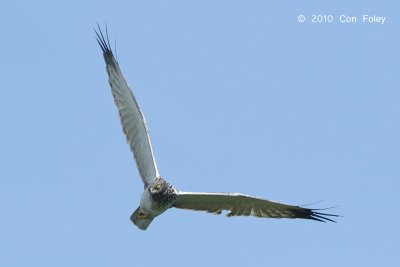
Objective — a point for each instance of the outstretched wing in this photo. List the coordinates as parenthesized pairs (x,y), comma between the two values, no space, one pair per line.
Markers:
(243,205)
(132,119)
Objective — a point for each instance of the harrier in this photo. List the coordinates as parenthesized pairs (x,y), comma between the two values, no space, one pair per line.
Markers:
(159,195)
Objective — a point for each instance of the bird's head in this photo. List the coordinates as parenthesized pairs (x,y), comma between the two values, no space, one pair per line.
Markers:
(161,191)
(158,186)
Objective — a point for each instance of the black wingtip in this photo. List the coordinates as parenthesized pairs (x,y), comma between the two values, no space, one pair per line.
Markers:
(103,41)
(322,217)
(314,214)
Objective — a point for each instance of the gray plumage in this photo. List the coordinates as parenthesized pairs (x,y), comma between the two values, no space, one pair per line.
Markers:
(158,194)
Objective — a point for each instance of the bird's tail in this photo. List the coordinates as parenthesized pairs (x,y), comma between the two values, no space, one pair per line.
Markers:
(142,223)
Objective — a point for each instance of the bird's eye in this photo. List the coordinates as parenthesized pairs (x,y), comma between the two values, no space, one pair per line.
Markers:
(158,186)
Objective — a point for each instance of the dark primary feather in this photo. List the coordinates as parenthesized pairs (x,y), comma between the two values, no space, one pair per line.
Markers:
(104,42)
(243,205)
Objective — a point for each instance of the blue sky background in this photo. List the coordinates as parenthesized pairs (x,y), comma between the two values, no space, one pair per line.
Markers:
(238,95)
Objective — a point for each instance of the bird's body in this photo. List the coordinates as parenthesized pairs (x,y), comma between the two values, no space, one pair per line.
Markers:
(158,194)
(158,197)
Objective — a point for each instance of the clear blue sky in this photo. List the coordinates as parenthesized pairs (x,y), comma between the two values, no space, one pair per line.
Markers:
(238,95)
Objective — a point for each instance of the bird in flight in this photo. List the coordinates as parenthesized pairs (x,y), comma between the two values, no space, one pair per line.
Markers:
(159,195)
